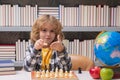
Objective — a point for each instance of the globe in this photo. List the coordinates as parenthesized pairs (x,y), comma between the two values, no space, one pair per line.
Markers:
(107,48)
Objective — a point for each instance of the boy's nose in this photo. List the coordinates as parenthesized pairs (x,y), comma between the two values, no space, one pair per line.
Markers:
(48,33)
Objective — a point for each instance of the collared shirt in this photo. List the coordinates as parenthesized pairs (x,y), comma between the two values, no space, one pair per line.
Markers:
(33,60)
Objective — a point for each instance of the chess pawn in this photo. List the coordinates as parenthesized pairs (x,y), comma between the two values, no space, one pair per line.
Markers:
(56,73)
(61,75)
(51,74)
(70,74)
(66,74)
(56,70)
(43,74)
(61,71)
(47,75)
(50,67)
(37,67)
(37,74)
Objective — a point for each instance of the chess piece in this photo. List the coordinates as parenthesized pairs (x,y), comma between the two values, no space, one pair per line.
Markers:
(47,75)
(45,44)
(56,69)
(50,67)
(56,73)
(51,74)
(61,75)
(79,70)
(70,74)
(37,74)
(37,67)
(43,74)
(66,74)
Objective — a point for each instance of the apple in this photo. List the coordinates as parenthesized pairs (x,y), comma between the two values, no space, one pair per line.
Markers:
(95,72)
(106,73)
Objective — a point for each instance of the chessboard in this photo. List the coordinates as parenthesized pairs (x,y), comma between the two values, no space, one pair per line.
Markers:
(50,75)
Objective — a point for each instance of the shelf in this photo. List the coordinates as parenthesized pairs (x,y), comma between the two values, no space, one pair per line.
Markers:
(65,29)
(15,29)
(90,29)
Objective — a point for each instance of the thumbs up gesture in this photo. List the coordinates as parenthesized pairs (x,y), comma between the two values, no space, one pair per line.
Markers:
(57,45)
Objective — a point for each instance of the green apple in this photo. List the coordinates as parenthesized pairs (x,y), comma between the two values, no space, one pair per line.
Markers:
(106,73)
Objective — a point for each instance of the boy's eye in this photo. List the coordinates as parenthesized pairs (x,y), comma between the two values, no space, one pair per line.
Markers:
(52,31)
(44,30)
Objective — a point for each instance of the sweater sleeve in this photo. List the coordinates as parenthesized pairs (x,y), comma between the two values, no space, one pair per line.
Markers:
(65,60)
(30,58)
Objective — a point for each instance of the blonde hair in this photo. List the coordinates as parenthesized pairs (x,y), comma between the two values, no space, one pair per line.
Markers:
(39,24)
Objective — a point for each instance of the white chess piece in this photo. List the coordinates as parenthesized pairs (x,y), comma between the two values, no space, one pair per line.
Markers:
(47,74)
(66,74)
(38,74)
(51,74)
(61,75)
(43,74)
(70,74)
(56,73)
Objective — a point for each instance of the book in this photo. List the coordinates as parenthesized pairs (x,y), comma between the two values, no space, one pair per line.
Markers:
(11,72)
(4,63)
(7,50)
(6,68)
(7,46)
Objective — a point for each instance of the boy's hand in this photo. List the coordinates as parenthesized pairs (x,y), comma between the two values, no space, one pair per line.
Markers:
(39,44)
(57,45)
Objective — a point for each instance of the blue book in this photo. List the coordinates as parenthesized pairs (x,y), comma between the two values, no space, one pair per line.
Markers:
(5,63)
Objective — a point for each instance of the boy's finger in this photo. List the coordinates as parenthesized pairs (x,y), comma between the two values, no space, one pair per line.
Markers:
(59,39)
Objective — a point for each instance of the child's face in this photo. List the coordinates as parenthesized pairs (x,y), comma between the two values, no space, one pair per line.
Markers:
(47,33)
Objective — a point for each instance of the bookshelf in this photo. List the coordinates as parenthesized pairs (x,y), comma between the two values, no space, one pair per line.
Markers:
(65,29)
(80,32)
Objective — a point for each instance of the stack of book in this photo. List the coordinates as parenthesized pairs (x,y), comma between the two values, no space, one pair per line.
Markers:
(7,67)
(7,51)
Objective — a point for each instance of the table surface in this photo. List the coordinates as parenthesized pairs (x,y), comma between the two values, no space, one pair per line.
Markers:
(23,75)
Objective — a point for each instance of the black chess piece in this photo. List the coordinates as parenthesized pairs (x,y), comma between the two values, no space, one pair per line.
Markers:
(79,70)
(37,67)
(50,67)
(55,66)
